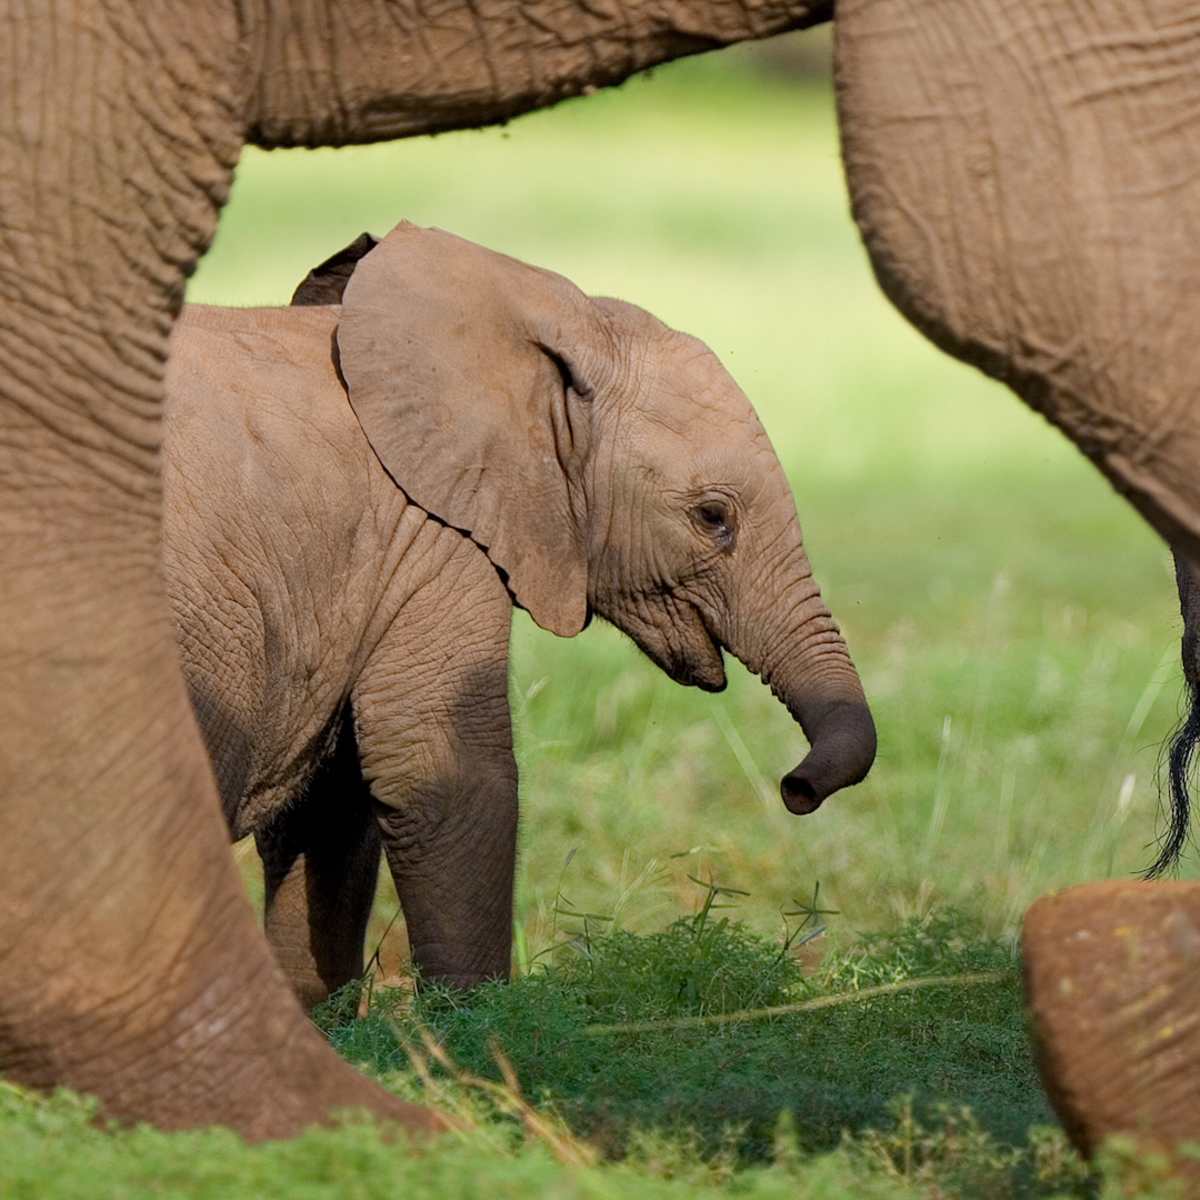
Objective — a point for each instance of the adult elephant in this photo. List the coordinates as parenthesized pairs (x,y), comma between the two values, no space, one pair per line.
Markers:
(1024,179)
(130,962)
(1027,181)
(1112,971)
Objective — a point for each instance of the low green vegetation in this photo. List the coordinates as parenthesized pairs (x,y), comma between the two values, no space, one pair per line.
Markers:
(645,1066)
(626,1034)
(1016,629)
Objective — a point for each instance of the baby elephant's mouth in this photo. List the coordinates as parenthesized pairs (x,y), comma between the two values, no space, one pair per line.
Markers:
(672,634)
(696,659)
(708,673)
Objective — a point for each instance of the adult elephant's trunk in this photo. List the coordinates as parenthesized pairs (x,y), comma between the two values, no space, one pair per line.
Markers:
(783,631)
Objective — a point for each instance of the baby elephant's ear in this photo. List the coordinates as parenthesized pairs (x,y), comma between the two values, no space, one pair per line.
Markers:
(325,283)
(469,373)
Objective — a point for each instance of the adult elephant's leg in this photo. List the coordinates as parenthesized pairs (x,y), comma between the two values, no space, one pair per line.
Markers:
(1112,975)
(321,864)
(130,960)
(1027,183)
(120,126)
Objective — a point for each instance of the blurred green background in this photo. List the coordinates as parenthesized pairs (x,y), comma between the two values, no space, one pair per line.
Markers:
(1014,621)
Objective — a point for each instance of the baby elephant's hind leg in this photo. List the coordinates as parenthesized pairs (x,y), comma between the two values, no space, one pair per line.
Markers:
(321,863)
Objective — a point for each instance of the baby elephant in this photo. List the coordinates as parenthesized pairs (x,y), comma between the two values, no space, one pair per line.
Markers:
(358,490)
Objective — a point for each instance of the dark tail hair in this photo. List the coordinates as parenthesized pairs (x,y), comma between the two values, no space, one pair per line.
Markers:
(1182,747)
(1181,752)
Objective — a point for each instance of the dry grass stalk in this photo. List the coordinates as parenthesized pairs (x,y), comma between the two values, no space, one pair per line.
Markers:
(506,1096)
(778,1010)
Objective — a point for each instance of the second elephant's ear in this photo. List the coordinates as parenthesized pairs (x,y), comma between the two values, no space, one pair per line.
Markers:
(325,283)
(472,375)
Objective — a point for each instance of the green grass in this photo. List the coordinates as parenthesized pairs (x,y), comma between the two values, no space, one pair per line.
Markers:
(865,1089)
(627,1035)
(1016,629)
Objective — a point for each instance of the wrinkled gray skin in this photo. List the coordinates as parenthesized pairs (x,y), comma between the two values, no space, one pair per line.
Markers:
(1027,181)
(347,651)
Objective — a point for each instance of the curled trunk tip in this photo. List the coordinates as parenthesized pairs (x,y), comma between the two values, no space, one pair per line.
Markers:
(843,740)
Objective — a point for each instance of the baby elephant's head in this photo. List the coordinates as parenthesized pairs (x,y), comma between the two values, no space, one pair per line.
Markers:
(606,464)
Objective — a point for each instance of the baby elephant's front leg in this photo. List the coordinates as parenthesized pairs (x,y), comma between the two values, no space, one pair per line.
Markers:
(435,742)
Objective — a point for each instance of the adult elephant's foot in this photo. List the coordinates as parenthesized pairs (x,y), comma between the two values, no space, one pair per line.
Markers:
(132,967)
(292,1082)
(1112,977)
(200,1030)
(214,1039)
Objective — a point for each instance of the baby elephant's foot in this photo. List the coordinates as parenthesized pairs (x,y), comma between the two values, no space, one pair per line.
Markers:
(1112,976)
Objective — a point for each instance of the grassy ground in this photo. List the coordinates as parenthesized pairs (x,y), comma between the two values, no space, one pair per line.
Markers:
(621,1069)
(1015,626)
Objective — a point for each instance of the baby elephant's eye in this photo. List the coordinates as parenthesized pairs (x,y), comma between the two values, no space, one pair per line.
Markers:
(714,517)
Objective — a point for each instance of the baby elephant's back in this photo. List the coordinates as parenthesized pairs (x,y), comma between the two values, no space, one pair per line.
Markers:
(262,450)
(260,384)
(257,416)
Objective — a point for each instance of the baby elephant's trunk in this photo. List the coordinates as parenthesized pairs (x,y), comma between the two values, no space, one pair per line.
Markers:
(794,644)
(842,736)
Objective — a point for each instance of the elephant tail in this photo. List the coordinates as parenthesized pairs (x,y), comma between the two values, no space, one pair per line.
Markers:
(1181,749)
(1181,752)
